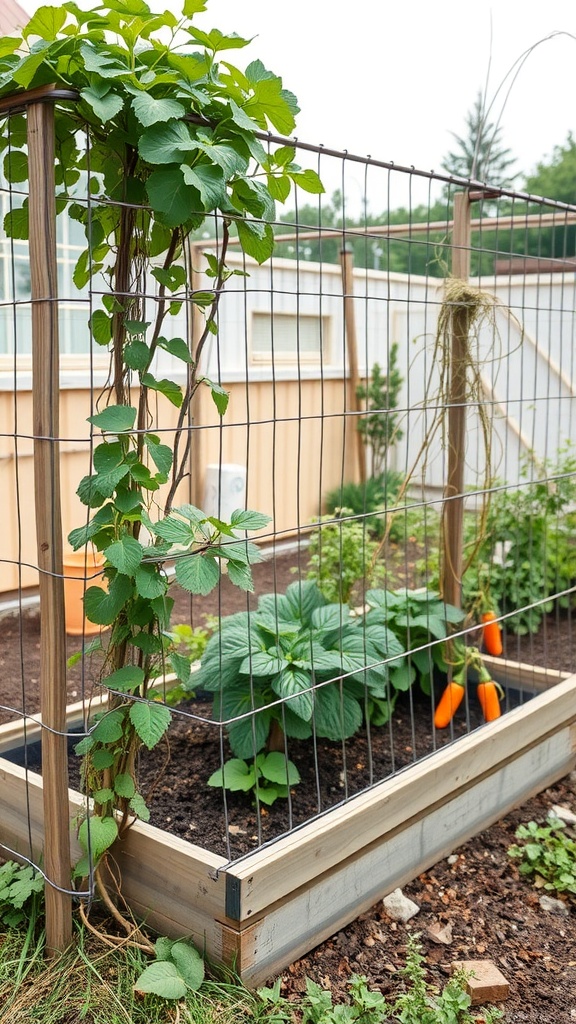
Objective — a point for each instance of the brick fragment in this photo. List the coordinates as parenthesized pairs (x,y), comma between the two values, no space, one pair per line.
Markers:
(485,983)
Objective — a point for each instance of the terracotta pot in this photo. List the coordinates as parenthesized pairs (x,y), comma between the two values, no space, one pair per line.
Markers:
(80,572)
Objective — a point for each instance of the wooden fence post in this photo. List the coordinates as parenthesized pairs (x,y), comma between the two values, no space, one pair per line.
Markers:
(453,512)
(45,403)
(347,264)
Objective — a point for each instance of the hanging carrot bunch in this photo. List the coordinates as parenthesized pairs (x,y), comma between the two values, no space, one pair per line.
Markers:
(450,700)
(491,634)
(489,692)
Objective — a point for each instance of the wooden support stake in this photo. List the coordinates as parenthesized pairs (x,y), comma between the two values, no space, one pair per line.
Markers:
(453,514)
(46,385)
(347,264)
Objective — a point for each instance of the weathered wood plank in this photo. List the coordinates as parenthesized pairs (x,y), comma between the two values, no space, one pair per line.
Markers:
(45,406)
(313,913)
(172,884)
(267,875)
(520,676)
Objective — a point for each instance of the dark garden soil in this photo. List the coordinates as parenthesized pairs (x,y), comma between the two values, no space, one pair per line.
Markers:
(476,898)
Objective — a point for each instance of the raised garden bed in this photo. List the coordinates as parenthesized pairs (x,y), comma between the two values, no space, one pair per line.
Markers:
(272,905)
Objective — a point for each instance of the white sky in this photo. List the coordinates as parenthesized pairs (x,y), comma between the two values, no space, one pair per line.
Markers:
(392,78)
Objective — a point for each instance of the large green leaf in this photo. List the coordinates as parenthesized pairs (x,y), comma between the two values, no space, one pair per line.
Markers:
(240,575)
(96,835)
(161,455)
(189,963)
(125,679)
(125,555)
(337,715)
(294,683)
(110,727)
(198,573)
(209,181)
(166,144)
(307,180)
(45,23)
(163,979)
(175,530)
(150,720)
(105,103)
(171,198)
(150,582)
(235,775)
(168,388)
(245,519)
(150,110)
(256,239)
(115,418)
(101,606)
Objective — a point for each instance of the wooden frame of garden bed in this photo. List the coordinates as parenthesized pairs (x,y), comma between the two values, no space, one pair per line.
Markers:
(272,906)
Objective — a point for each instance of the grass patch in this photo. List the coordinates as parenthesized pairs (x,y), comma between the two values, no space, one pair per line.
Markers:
(94,984)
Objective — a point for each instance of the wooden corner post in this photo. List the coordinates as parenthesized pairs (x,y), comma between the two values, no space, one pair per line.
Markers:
(45,405)
(453,513)
(347,264)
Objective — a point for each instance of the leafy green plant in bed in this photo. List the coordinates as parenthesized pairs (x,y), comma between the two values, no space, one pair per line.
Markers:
(548,854)
(298,664)
(421,621)
(369,499)
(268,777)
(341,556)
(162,135)
(527,552)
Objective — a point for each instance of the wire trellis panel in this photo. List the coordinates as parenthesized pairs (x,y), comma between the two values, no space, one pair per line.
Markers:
(384,475)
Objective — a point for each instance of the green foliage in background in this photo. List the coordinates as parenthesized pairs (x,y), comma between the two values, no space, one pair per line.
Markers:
(341,556)
(379,426)
(528,550)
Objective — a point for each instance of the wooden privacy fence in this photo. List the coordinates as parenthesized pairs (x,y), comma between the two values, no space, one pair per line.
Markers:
(294,340)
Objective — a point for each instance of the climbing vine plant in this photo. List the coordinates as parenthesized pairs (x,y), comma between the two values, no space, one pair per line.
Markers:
(163,133)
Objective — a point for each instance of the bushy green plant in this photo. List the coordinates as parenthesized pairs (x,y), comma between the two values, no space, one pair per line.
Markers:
(369,499)
(548,853)
(420,620)
(341,556)
(379,427)
(301,662)
(419,1003)
(268,776)
(528,550)
(20,887)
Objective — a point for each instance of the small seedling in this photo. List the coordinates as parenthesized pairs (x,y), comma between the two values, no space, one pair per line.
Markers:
(548,854)
(20,888)
(268,777)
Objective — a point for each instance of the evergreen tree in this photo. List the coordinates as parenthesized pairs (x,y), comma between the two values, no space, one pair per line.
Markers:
(479,152)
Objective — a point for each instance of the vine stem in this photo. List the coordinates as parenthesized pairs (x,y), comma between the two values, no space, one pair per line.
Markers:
(181,459)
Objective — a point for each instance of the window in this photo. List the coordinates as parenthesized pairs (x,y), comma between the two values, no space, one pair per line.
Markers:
(289,337)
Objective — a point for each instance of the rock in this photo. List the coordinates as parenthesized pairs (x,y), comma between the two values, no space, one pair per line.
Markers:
(399,907)
(485,982)
(442,934)
(554,906)
(564,813)
(453,859)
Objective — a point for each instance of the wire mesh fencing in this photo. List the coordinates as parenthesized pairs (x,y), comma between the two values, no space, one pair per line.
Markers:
(328,467)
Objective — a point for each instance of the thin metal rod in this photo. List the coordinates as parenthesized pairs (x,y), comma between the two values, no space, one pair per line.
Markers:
(46,398)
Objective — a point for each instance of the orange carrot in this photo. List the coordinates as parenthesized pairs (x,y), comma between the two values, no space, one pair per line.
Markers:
(448,704)
(489,700)
(492,634)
